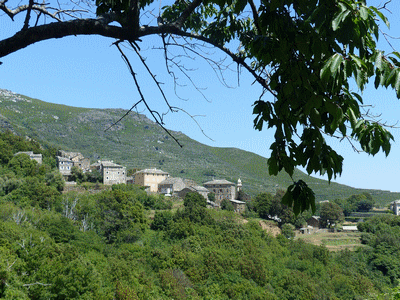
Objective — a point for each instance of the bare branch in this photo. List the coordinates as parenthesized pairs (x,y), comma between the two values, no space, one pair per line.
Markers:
(28,15)
(194,119)
(127,113)
(152,76)
(153,113)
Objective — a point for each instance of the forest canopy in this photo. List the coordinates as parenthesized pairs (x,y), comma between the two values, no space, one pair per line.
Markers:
(304,54)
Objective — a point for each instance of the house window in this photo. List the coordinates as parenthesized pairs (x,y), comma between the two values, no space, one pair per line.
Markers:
(107,177)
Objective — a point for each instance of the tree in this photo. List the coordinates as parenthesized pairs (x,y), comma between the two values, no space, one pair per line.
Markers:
(227,205)
(331,214)
(193,200)
(304,53)
(262,205)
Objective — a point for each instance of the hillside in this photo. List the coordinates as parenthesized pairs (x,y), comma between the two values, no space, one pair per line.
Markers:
(137,142)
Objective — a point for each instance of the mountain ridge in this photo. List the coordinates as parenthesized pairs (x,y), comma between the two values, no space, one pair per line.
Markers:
(138,142)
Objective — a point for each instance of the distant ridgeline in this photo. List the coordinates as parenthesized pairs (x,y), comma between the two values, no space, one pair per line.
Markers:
(138,143)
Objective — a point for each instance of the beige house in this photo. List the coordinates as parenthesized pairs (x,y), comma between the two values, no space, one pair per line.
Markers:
(112,173)
(32,156)
(150,178)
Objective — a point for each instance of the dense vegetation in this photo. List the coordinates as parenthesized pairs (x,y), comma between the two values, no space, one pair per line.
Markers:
(104,246)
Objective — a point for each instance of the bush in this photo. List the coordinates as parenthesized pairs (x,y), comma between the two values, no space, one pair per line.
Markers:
(288,230)
(227,205)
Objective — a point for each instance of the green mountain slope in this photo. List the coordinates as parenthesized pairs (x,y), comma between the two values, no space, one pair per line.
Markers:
(137,142)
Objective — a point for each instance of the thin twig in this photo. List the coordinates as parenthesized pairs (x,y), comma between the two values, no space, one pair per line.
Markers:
(152,112)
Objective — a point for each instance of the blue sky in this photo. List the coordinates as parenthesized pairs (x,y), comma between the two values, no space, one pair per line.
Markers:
(89,72)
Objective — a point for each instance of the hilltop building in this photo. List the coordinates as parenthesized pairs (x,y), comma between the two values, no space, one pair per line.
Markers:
(64,165)
(238,206)
(194,189)
(38,157)
(77,159)
(150,178)
(395,207)
(223,189)
(171,185)
(112,173)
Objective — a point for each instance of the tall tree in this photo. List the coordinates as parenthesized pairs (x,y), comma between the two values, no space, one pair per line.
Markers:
(304,53)
(331,214)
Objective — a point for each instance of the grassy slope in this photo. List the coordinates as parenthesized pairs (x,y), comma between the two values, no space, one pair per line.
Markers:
(137,142)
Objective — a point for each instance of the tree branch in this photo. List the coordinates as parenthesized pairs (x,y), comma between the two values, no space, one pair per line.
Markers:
(152,112)
(186,13)
(44,32)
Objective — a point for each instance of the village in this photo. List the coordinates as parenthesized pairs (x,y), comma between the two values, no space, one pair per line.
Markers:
(152,179)
(157,181)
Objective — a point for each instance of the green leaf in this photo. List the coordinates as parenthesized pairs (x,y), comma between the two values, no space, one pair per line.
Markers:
(397,83)
(336,60)
(378,60)
(381,15)
(357,60)
(364,13)
(339,19)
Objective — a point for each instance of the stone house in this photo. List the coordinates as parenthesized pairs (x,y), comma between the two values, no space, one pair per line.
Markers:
(238,206)
(150,178)
(38,157)
(395,207)
(194,189)
(64,165)
(77,158)
(112,173)
(223,189)
(171,185)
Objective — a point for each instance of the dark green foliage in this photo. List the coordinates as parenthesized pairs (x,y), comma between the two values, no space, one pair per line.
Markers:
(227,205)
(59,228)
(119,211)
(331,214)
(175,283)
(77,174)
(272,207)
(288,230)
(211,197)
(162,220)
(100,246)
(264,206)
(193,200)
(94,176)
(360,203)
(55,179)
(22,165)
(35,193)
